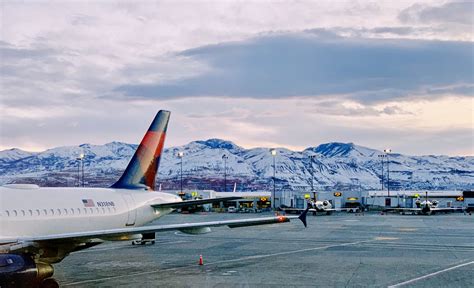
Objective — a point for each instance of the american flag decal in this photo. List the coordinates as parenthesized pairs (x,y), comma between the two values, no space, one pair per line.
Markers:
(88,203)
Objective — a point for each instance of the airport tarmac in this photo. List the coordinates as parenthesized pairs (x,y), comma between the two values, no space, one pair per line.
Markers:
(342,250)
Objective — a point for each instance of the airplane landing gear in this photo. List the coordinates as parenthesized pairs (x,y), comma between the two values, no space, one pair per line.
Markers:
(146,238)
(143,242)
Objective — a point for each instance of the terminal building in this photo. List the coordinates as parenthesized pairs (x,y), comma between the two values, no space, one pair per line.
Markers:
(262,200)
(407,198)
(376,198)
(249,201)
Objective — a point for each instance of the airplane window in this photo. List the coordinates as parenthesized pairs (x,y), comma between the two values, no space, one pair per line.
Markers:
(15,213)
(92,211)
(72,211)
(97,210)
(23,213)
(108,209)
(79,211)
(37,212)
(31,212)
(85,210)
(8,213)
(115,210)
(103,210)
(65,211)
(59,211)
(45,212)
(52,211)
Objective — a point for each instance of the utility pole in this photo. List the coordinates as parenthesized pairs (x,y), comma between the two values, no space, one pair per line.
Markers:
(311,157)
(274,152)
(78,172)
(79,166)
(83,183)
(180,155)
(387,152)
(381,156)
(225,157)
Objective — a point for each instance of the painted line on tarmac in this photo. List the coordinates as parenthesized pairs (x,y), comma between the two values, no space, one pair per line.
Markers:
(397,247)
(430,275)
(217,262)
(288,252)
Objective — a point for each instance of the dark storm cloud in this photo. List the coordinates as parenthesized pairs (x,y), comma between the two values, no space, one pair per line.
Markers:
(393,30)
(322,63)
(454,12)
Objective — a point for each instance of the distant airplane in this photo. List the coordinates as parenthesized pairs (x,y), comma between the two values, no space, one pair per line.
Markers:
(41,226)
(318,207)
(425,207)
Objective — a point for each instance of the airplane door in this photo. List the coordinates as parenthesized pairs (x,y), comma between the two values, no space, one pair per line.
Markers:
(337,204)
(132,212)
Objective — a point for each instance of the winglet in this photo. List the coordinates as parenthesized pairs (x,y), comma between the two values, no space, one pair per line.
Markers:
(302,216)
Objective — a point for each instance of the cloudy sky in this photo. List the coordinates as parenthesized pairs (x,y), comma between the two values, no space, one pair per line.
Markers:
(289,74)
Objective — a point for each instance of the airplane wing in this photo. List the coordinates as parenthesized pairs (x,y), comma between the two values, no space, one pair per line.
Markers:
(338,209)
(402,210)
(188,203)
(294,210)
(447,209)
(25,242)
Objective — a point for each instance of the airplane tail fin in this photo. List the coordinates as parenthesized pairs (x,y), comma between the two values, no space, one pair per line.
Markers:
(142,169)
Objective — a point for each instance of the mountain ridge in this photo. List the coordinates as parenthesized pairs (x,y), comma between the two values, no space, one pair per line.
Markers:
(335,165)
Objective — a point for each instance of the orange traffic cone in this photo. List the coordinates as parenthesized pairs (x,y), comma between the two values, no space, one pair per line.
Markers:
(201,262)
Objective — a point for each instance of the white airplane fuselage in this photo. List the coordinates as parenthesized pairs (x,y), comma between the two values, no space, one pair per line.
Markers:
(41,226)
(27,210)
(322,206)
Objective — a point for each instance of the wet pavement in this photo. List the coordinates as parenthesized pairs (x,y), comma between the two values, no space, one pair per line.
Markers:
(342,250)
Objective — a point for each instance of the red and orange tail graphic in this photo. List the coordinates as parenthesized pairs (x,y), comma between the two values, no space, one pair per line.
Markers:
(142,169)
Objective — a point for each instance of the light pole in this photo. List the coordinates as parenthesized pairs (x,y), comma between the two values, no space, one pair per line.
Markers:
(381,156)
(387,152)
(225,157)
(79,165)
(180,155)
(82,162)
(273,152)
(311,157)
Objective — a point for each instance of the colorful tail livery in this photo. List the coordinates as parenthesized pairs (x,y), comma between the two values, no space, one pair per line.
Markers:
(142,169)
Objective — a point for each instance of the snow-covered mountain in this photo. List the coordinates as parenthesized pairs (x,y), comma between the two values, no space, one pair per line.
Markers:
(335,166)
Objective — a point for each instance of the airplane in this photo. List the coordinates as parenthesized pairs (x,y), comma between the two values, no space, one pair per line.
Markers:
(425,207)
(318,207)
(41,226)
